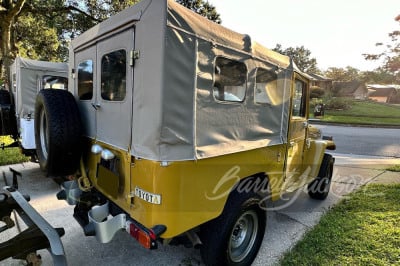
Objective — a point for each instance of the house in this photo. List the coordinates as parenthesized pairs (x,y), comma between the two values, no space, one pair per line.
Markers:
(321,82)
(382,93)
(352,89)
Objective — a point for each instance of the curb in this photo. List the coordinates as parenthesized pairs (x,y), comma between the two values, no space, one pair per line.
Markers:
(320,122)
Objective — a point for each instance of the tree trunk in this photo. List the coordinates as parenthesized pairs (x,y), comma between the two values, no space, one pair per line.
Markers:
(6,50)
(7,17)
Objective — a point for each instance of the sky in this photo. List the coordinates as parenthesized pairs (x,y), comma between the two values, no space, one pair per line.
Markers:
(337,32)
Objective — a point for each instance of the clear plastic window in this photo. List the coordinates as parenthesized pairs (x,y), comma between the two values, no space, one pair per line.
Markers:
(229,80)
(266,86)
(54,82)
(113,76)
(85,80)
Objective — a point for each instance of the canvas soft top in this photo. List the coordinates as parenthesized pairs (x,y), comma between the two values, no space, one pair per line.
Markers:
(174,114)
(26,74)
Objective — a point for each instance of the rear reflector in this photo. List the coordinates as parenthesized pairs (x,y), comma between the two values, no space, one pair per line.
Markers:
(146,237)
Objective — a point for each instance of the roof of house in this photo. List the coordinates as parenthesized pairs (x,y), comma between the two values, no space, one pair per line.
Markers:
(319,77)
(382,92)
(346,88)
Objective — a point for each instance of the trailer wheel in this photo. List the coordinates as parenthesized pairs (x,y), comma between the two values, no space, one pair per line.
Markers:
(319,188)
(8,120)
(58,131)
(234,237)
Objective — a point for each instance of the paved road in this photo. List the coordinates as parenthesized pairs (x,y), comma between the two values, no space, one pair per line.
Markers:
(364,141)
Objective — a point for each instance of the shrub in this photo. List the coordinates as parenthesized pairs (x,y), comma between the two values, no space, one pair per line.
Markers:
(338,104)
(316,92)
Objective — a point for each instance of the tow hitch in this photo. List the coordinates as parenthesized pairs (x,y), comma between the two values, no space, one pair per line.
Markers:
(39,234)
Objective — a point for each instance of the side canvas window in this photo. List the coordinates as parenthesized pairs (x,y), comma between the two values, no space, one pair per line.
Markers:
(85,80)
(113,76)
(229,80)
(266,86)
(299,98)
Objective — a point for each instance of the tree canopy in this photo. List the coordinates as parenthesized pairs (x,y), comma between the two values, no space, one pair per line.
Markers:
(301,56)
(42,29)
(203,8)
(390,54)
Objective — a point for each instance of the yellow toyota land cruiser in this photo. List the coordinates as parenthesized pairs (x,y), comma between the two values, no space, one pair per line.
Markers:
(174,126)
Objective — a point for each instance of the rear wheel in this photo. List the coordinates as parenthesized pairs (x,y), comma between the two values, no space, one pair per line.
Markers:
(235,237)
(58,132)
(319,188)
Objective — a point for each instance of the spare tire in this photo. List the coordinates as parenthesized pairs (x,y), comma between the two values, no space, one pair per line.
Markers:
(58,132)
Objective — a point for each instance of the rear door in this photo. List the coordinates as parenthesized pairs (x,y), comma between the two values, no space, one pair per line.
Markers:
(113,101)
(296,174)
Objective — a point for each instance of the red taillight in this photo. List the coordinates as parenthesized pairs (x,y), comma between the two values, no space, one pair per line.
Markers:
(145,237)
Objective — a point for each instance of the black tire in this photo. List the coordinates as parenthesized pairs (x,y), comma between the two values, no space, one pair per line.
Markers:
(235,237)
(58,132)
(8,120)
(319,188)
(5,97)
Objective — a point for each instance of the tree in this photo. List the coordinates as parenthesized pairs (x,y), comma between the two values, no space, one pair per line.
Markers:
(9,10)
(390,54)
(378,76)
(301,56)
(343,74)
(42,29)
(203,8)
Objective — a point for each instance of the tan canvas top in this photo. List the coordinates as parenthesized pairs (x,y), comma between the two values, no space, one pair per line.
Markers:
(175,115)
(27,73)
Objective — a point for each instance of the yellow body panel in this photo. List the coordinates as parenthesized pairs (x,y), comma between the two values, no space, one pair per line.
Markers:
(192,192)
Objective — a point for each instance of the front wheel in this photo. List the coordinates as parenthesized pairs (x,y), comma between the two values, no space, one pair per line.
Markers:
(319,188)
(235,237)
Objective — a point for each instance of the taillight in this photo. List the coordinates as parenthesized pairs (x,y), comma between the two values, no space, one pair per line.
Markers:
(146,237)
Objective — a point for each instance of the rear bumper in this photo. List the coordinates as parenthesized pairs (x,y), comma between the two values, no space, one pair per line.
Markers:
(101,218)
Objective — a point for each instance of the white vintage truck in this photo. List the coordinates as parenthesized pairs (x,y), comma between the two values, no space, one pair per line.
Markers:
(17,107)
(175,126)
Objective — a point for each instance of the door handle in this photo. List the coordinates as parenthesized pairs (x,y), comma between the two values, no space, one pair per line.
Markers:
(96,106)
(305,124)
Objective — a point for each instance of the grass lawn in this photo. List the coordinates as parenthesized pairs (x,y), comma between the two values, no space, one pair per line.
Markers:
(363,229)
(11,155)
(365,112)
(394,168)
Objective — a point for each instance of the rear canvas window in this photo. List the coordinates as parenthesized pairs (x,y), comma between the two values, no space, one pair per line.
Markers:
(229,80)
(54,82)
(113,76)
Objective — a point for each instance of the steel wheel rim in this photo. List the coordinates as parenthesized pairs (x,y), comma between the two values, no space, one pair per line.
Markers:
(243,236)
(43,129)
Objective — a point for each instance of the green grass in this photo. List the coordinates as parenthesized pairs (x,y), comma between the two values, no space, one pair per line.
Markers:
(363,229)
(394,168)
(365,112)
(360,120)
(11,155)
